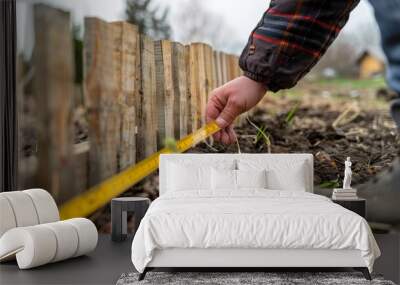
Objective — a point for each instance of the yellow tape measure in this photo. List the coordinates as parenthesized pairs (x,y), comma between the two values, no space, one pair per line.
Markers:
(99,195)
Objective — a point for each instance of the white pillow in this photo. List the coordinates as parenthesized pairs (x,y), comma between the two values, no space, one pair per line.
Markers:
(223,179)
(182,177)
(294,180)
(251,178)
(281,175)
(192,174)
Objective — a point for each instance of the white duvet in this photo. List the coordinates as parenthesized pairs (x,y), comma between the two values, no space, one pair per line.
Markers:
(253,218)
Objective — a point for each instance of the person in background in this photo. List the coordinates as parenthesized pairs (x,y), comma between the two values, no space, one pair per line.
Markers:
(287,42)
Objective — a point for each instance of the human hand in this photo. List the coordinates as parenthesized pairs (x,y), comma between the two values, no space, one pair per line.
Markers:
(229,101)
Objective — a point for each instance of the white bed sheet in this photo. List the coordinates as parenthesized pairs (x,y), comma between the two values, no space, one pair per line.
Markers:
(252,218)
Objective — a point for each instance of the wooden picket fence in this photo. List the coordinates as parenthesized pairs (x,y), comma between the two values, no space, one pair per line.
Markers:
(137,92)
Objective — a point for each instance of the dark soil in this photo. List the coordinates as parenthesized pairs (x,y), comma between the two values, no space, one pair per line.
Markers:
(369,138)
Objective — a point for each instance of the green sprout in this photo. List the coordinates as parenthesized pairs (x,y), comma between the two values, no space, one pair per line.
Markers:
(261,134)
(290,116)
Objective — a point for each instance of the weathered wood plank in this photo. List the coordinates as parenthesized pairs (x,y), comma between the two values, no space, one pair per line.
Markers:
(224,66)
(180,90)
(195,104)
(101,90)
(176,89)
(160,99)
(211,80)
(54,91)
(81,172)
(231,67)
(204,86)
(211,83)
(188,90)
(148,120)
(126,57)
(80,148)
(169,91)
(218,68)
(165,91)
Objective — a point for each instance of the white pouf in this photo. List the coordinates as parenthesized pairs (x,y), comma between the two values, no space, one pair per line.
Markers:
(67,240)
(7,218)
(37,245)
(45,205)
(87,234)
(31,232)
(26,208)
(23,208)
(33,246)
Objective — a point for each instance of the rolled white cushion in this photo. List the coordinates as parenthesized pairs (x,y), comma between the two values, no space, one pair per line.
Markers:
(87,235)
(37,245)
(67,240)
(251,178)
(23,208)
(33,246)
(7,218)
(45,205)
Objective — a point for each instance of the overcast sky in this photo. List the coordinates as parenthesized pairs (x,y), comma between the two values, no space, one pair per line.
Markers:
(241,16)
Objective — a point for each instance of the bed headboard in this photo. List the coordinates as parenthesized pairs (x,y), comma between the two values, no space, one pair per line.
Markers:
(284,160)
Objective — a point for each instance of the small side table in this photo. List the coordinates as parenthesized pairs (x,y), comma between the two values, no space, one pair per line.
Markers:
(120,207)
(358,206)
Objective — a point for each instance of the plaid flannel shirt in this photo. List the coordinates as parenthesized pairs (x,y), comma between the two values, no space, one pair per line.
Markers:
(290,39)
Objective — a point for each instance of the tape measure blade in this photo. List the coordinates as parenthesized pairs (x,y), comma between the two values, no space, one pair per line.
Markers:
(101,194)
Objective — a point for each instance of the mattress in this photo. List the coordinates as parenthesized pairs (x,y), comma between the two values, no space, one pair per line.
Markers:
(251,219)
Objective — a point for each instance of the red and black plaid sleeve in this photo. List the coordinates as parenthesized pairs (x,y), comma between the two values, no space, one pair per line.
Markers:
(290,39)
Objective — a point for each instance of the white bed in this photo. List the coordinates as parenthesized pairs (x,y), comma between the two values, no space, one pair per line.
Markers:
(281,224)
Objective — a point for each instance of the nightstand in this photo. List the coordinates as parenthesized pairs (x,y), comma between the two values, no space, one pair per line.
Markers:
(120,207)
(358,206)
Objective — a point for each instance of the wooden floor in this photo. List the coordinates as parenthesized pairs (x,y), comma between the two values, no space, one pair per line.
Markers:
(110,260)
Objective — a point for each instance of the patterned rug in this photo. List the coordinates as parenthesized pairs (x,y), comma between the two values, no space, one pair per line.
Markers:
(243,278)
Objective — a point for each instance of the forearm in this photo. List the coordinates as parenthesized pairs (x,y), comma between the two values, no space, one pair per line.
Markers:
(291,38)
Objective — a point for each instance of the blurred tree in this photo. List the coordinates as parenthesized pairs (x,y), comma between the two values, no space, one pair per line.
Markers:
(194,22)
(149,20)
